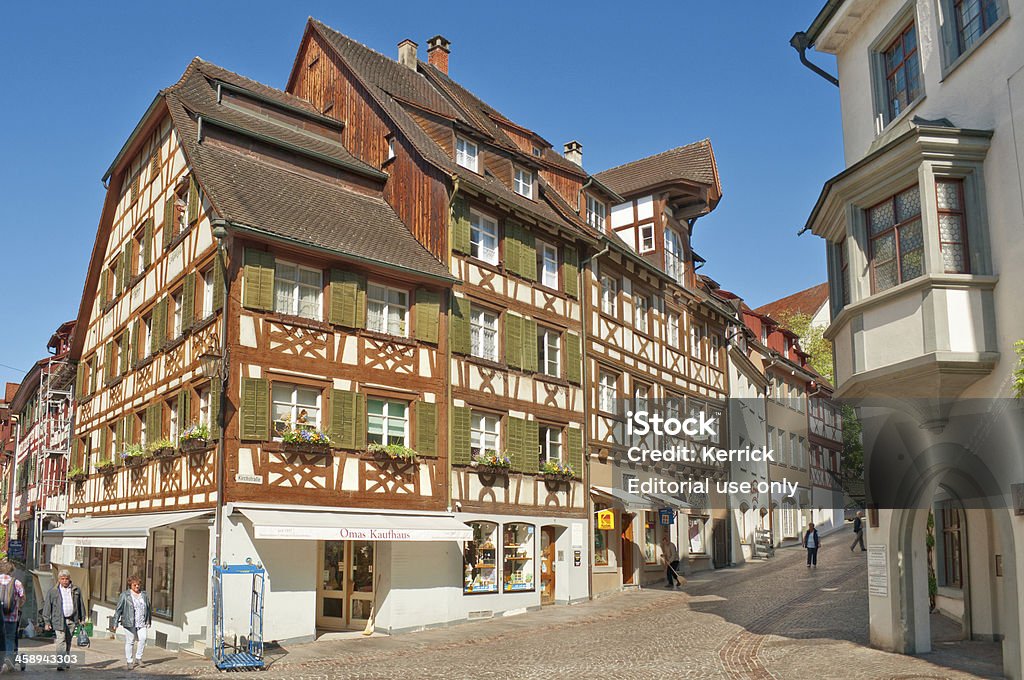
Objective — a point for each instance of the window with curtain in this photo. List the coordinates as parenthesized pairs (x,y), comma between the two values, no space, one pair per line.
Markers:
(295,407)
(387,422)
(387,310)
(485,431)
(298,290)
(483,333)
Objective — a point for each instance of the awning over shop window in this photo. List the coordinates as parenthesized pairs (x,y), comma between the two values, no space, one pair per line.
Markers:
(320,525)
(668,502)
(115,531)
(627,500)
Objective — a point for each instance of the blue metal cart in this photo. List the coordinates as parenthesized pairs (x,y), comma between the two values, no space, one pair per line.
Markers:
(234,657)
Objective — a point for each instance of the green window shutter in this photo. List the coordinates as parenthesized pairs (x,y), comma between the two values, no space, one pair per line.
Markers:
(129,259)
(527,254)
(573,359)
(461,439)
(570,272)
(108,361)
(154,422)
(511,248)
(168,229)
(119,275)
(426,428)
(254,422)
(104,443)
(218,283)
(158,327)
(360,422)
(193,199)
(188,301)
(215,406)
(258,291)
(147,243)
(133,343)
(104,287)
(514,340)
(123,353)
(348,424)
(530,345)
(459,326)
(460,226)
(574,450)
(128,429)
(428,314)
(531,446)
(80,381)
(184,409)
(516,452)
(348,299)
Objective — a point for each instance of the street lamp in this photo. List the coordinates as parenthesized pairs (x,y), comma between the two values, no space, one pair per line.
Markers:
(210,363)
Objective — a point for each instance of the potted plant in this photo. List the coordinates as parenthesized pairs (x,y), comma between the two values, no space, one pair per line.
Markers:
(395,452)
(106,466)
(133,455)
(554,471)
(305,440)
(490,461)
(77,475)
(195,437)
(161,448)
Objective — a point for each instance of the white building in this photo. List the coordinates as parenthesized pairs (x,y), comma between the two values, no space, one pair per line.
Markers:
(924,244)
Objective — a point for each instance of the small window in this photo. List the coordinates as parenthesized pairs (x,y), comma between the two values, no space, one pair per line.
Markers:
(844,272)
(387,422)
(896,241)
(952,226)
(609,294)
(204,406)
(387,310)
(640,394)
(483,333)
(674,258)
(673,329)
(640,309)
(602,538)
(391,148)
(550,444)
(173,425)
(537,152)
(549,345)
(298,290)
(607,388)
(177,298)
(596,212)
(483,238)
(548,256)
(698,334)
(466,154)
(295,407)
(973,19)
(139,246)
(207,294)
(485,434)
(902,72)
(646,238)
(523,183)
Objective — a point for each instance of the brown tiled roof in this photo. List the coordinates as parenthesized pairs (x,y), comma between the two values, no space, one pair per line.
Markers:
(807,301)
(288,204)
(693,162)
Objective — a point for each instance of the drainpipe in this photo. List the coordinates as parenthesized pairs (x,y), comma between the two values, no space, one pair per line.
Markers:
(768,467)
(449,399)
(579,195)
(800,42)
(220,233)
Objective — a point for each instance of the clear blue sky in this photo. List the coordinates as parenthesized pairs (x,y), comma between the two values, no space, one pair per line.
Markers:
(626,79)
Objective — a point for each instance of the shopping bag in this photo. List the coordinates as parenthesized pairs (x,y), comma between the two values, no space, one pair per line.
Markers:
(83,637)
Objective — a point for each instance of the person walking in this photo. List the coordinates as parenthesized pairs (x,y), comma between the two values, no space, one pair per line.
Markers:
(858,528)
(12,599)
(63,610)
(812,543)
(135,614)
(670,556)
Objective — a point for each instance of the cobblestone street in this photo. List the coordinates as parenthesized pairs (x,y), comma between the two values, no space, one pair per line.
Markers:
(766,620)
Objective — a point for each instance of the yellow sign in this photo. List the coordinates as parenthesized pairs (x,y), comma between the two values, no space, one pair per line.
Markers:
(606,520)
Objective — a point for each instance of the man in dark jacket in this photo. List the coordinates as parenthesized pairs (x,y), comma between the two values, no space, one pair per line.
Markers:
(63,610)
(858,528)
(811,542)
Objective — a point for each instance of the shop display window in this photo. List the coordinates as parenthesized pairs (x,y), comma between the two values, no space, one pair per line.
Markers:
(95,573)
(600,539)
(517,555)
(162,591)
(650,537)
(136,567)
(113,587)
(696,525)
(480,559)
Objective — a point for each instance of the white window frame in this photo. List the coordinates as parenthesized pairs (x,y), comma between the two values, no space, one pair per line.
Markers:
(373,297)
(172,423)
(176,299)
(297,288)
(522,182)
(550,444)
(483,228)
(549,349)
(391,147)
(463,156)
(675,262)
(147,330)
(386,417)
(483,324)
(207,299)
(597,213)
(673,329)
(293,402)
(609,294)
(204,406)
(485,428)
(607,391)
(645,238)
(641,311)
(548,264)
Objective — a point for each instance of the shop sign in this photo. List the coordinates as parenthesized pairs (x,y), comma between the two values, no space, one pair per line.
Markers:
(15,549)
(666,517)
(606,520)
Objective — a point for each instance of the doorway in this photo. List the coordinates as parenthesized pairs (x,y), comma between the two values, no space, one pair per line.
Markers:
(547,565)
(627,549)
(720,543)
(345,584)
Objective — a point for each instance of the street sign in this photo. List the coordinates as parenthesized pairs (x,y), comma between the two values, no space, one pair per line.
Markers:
(666,517)
(15,549)
(606,520)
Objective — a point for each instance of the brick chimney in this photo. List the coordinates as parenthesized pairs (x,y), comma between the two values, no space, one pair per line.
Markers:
(438,49)
(407,53)
(574,152)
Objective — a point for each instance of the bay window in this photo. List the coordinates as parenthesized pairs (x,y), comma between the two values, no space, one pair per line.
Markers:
(295,407)
(387,310)
(483,237)
(952,226)
(483,333)
(298,290)
(387,422)
(896,244)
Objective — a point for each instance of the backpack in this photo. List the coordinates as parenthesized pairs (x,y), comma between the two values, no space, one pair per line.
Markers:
(8,597)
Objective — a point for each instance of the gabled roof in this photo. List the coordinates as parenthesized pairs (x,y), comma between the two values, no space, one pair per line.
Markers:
(807,301)
(694,162)
(280,202)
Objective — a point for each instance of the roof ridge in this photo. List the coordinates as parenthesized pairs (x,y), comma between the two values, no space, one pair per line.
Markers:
(699,142)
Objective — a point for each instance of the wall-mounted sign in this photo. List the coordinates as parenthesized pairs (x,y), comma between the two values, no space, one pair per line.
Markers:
(606,520)
(577,557)
(666,517)
(878,571)
(243,478)
(1017,491)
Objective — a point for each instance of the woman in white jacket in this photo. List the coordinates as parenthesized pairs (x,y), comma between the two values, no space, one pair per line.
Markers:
(135,614)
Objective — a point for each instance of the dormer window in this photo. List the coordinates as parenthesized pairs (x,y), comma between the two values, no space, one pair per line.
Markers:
(646,238)
(537,151)
(466,154)
(391,147)
(596,212)
(523,183)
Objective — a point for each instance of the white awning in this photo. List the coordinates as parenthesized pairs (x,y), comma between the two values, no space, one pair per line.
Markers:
(668,501)
(320,525)
(115,531)
(628,500)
